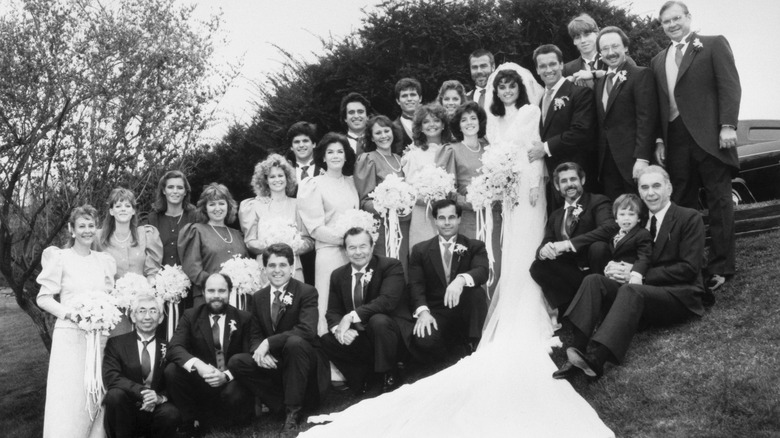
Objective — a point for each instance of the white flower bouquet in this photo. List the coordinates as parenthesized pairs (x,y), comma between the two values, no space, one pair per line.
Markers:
(433,183)
(129,286)
(500,166)
(247,277)
(275,230)
(356,219)
(393,197)
(172,285)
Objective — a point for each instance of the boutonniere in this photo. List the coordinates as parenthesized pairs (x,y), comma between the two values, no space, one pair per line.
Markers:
(697,45)
(233,327)
(367,277)
(560,102)
(459,249)
(620,76)
(163,350)
(287,299)
(577,212)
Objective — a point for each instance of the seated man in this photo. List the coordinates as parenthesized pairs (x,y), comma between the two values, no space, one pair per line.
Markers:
(135,403)
(198,379)
(671,292)
(285,367)
(558,271)
(446,275)
(367,314)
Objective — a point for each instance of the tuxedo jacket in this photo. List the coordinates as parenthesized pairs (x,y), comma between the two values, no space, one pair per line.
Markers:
(570,129)
(193,336)
(122,365)
(290,156)
(596,213)
(427,281)
(636,247)
(297,319)
(399,129)
(578,64)
(707,92)
(628,124)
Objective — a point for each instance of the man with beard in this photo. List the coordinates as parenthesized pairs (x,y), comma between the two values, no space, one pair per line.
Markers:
(408,96)
(199,382)
(558,269)
(481,64)
(354,114)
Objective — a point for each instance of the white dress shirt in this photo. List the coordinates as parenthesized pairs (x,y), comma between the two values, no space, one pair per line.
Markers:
(671,74)
(443,243)
(299,169)
(659,218)
(555,89)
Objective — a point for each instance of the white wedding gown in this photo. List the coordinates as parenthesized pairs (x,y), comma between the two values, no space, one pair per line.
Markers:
(504,389)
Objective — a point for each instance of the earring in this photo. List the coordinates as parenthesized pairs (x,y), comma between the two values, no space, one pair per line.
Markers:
(73,235)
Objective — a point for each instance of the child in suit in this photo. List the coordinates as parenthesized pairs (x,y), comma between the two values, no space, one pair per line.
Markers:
(631,243)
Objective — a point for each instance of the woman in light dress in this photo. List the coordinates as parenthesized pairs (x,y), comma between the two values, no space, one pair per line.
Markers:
(68,273)
(505,388)
(274,183)
(320,201)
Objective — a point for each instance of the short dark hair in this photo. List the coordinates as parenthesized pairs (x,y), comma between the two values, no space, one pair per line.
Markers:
(215,192)
(497,107)
(629,201)
(349,153)
(580,24)
(548,48)
(354,231)
(405,84)
(612,29)
(369,145)
(468,107)
(444,203)
(671,3)
(480,53)
(225,276)
(302,128)
(569,165)
(279,250)
(350,98)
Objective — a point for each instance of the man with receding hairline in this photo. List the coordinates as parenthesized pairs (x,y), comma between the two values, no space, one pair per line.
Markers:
(481,65)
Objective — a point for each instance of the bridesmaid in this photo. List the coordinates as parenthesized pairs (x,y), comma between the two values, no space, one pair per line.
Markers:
(205,245)
(136,249)
(274,182)
(429,128)
(68,273)
(452,94)
(171,211)
(320,200)
(381,158)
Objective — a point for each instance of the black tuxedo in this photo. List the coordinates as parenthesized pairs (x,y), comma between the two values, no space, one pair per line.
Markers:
(671,292)
(627,127)
(428,286)
(124,382)
(559,278)
(578,64)
(707,92)
(193,339)
(384,320)
(302,372)
(470,97)
(399,128)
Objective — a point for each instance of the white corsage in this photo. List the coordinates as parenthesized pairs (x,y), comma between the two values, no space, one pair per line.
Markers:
(163,351)
(367,277)
(459,249)
(560,102)
(620,76)
(233,326)
(697,45)
(577,212)
(287,299)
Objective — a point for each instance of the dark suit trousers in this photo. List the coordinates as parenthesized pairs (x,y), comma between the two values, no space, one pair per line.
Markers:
(197,400)
(612,180)
(286,385)
(124,419)
(375,349)
(560,278)
(690,167)
(621,310)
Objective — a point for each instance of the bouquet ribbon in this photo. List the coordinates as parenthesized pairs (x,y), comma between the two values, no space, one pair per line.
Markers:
(173,318)
(93,378)
(393,236)
(485,234)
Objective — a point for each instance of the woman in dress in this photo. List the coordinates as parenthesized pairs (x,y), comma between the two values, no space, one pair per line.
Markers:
(136,249)
(381,158)
(320,200)
(429,127)
(517,396)
(274,182)
(68,273)
(205,245)
(171,211)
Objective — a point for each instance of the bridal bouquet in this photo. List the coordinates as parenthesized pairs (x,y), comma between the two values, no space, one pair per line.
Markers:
(97,314)
(433,183)
(127,287)
(247,277)
(393,197)
(356,219)
(501,168)
(276,230)
(172,285)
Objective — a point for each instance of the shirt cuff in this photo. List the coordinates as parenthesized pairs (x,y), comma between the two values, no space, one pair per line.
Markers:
(354,316)
(468,278)
(570,246)
(190,364)
(636,275)
(643,160)
(420,310)
(547,149)
(729,126)
(229,375)
(659,140)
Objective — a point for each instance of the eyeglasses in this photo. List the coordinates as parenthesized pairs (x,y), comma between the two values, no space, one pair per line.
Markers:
(613,48)
(674,20)
(150,312)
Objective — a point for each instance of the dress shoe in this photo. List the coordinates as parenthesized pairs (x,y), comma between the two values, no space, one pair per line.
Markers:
(567,371)
(339,386)
(291,421)
(389,382)
(190,429)
(586,362)
(708,299)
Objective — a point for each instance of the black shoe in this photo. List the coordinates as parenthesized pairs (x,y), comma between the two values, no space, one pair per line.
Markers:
(190,429)
(291,421)
(708,299)
(567,371)
(586,362)
(339,386)
(389,382)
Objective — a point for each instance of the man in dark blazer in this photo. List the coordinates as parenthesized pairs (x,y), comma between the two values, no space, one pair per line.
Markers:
(558,269)
(446,278)
(408,96)
(568,123)
(627,110)
(135,402)
(285,367)
(197,376)
(355,110)
(481,65)
(671,292)
(699,100)
(367,314)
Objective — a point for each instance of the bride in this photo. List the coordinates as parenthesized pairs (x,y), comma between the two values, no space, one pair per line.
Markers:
(505,388)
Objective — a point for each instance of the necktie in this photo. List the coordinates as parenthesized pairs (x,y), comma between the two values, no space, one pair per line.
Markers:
(276,307)
(592,65)
(146,361)
(653,226)
(569,223)
(617,238)
(357,292)
(215,332)
(482,98)
(304,172)
(678,56)
(546,103)
(608,88)
(447,257)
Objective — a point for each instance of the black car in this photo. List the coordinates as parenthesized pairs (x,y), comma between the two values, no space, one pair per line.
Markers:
(759,159)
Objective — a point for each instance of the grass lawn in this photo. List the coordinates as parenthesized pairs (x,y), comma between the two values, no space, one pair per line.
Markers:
(717,376)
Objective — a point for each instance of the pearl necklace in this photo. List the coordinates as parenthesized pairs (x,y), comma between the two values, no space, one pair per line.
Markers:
(390,165)
(479,147)
(118,240)
(230,236)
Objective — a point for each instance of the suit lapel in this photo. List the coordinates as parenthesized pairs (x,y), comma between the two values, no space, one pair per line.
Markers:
(660,70)
(346,288)
(158,362)
(663,232)
(616,88)
(600,94)
(458,258)
(264,309)
(204,325)
(687,58)
(627,237)
(131,352)
(551,108)
(372,286)
(434,257)
(230,316)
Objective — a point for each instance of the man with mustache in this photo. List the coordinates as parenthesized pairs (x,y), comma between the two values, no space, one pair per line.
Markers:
(558,269)
(354,114)
(198,379)
(481,65)
(627,110)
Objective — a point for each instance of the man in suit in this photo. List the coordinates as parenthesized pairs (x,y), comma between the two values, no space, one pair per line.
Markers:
(408,96)
(670,294)
(367,314)
(135,402)
(354,114)
(446,275)
(627,111)
(481,65)
(558,269)
(197,376)
(584,70)
(284,367)
(699,100)
(568,123)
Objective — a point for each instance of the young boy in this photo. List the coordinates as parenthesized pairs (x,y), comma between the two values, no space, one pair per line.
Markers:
(631,243)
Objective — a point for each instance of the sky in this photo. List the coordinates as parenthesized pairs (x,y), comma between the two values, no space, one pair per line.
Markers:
(255,27)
